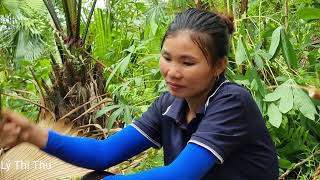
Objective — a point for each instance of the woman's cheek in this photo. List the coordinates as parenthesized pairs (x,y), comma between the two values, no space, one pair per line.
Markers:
(162,66)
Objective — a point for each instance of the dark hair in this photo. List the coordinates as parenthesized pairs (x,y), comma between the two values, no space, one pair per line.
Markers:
(210,31)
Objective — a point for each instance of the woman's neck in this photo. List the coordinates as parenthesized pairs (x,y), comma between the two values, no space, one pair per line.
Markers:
(194,105)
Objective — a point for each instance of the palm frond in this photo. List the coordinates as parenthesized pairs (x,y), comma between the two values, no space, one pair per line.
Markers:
(53,14)
(11,5)
(29,46)
(84,35)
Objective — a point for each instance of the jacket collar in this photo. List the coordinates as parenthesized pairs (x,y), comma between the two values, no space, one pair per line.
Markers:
(177,109)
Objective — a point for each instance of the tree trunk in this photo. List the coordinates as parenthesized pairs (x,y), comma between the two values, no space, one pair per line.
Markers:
(77,90)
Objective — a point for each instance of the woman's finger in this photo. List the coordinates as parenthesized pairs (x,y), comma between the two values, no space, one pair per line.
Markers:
(10,141)
(9,134)
(10,116)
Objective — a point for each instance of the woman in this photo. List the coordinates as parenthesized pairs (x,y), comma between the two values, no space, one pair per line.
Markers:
(209,128)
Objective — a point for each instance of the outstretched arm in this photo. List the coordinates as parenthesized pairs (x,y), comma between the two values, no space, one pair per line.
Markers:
(97,154)
(192,163)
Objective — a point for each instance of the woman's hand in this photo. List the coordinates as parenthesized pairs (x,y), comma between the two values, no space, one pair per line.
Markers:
(15,129)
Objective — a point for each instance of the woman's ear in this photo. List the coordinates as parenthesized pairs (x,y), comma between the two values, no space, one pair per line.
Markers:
(221,65)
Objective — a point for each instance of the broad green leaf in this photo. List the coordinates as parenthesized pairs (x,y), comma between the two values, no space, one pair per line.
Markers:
(309,13)
(287,51)
(304,103)
(124,63)
(153,24)
(284,163)
(112,119)
(241,54)
(253,75)
(127,115)
(113,73)
(105,110)
(275,116)
(275,41)
(271,97)
(286,101)
(258,60)
(284,93)
(265,55)
(150,57)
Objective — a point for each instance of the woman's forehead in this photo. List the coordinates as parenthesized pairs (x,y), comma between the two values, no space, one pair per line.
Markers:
(181,45)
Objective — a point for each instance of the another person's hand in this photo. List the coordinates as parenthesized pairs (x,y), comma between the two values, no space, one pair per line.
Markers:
(15,129)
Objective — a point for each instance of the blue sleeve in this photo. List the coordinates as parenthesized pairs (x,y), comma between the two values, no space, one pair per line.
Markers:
(185,167)
(97,154)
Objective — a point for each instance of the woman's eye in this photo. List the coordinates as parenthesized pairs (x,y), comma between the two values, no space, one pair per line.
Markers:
(166,58)
(188,63)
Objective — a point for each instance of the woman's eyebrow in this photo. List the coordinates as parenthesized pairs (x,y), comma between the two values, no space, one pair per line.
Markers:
(185,56)
(164,52)
(182,56)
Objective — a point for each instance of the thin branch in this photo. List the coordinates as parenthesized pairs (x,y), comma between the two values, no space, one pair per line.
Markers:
(98,126)
(70,91)
(298,165)
(23,91)
(79,107)
(91,108)
(37,82)
(30,101)
(88,22)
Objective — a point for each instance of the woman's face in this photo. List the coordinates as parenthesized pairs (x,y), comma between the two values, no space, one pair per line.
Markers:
(184,67)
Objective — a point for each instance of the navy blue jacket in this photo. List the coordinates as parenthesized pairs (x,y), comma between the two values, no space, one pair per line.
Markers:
(229,125)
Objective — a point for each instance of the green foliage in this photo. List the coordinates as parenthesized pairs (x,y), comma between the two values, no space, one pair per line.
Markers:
(287,50)
(241,54)
(25,36)
(309,13)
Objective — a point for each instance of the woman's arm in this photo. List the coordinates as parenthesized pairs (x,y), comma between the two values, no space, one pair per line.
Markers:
(97,154)
(192,164)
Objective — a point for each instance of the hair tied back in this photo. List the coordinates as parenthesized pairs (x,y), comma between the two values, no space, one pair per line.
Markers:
(228,19)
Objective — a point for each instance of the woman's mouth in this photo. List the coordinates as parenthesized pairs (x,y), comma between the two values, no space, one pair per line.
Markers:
(174,86)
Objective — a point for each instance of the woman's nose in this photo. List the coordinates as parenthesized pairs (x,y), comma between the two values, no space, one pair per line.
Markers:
(174,72)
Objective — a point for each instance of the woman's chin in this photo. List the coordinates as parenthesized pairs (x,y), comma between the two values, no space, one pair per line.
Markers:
(176,94)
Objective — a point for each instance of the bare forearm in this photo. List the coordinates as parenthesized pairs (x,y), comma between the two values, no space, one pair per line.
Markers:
(36,135)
